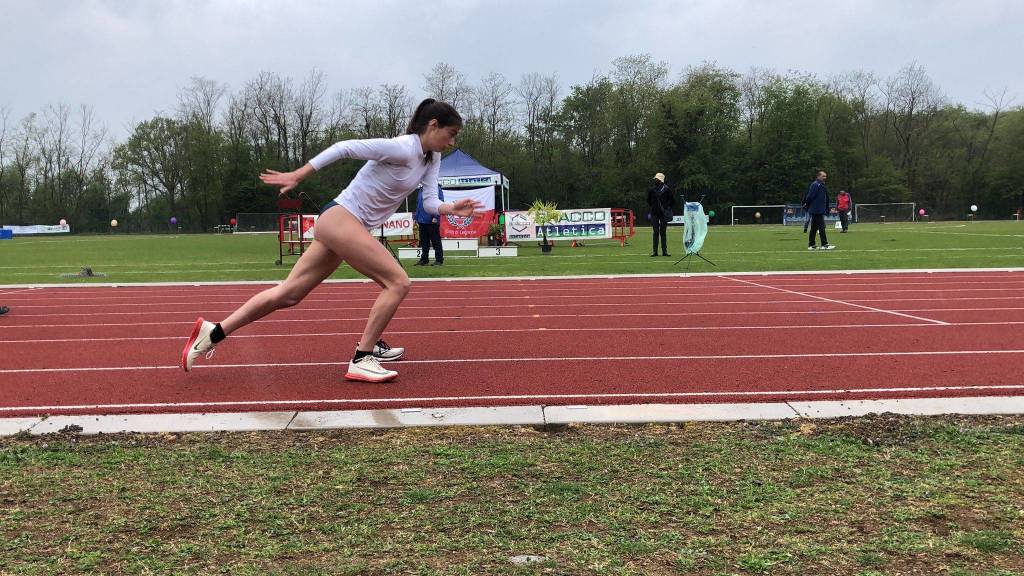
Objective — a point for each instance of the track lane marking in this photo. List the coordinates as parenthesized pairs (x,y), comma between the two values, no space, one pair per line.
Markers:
(537,329)
(541,359)
(838,301)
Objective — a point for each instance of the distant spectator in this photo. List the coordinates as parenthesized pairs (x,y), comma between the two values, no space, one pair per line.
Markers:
(661,202)
(816,203)
(430,231)
(844,203)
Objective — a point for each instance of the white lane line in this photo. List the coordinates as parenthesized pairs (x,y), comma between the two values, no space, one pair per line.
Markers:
(343,401)
(921,318)
(439,333)
(18,291)
(634,297)
(363,319)
(500,360)
(322,295)
(981,272)
(299,311)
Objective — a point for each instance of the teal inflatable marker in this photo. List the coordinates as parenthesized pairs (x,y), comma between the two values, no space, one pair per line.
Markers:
(696,223)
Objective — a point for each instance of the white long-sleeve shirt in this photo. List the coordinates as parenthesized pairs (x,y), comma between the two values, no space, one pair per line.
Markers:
(395,168)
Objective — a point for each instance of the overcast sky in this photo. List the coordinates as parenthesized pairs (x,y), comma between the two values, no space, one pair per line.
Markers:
(129,58)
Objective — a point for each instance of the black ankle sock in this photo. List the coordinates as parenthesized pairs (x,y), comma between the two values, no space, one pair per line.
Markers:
(218,334)
(360,355)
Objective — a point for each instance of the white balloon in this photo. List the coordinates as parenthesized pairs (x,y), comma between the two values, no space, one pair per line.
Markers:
(974,207)
(113,223)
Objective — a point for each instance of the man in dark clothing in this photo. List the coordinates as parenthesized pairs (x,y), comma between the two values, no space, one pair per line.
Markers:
(816,204)
(662,204)
(430,231)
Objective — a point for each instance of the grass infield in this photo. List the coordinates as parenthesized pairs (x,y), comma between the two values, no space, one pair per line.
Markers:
(881,495)
(211,257)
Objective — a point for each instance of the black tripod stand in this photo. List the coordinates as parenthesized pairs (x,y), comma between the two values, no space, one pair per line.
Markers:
(384,240)
(697,254)
(688,254)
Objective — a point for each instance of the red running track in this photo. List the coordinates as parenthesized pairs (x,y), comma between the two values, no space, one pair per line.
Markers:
(696,339)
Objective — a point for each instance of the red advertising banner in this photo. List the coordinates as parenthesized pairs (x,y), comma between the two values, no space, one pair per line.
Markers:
(474,226)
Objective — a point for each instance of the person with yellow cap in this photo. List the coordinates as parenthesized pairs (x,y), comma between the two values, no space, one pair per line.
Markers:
(661,202)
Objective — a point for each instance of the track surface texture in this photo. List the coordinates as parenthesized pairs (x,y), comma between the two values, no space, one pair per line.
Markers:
(631,340)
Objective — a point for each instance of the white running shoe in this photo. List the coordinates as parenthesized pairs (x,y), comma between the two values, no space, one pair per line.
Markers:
(368,369)
(828,247)
(198,343)
(381,351)
(812,247)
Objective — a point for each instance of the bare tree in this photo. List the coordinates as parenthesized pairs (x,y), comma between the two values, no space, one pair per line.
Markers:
(366,116)
(237,121)
(531,97)
(89,160)
(395,106)
(861,90)
(447,84)
(25,162)
(494,106)
(339,116)
(199,101)
(309,115)
(53,142)
(912,101)
(270,98)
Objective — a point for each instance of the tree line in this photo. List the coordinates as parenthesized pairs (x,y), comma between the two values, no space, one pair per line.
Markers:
(731,138)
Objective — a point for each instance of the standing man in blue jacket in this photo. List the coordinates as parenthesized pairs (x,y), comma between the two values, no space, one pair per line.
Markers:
(430,231)
(816,204)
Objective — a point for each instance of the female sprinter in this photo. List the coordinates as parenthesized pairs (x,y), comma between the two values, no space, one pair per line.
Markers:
(395,168)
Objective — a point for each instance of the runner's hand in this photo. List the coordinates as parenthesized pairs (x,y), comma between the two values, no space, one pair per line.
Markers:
(465,207)
(283,180)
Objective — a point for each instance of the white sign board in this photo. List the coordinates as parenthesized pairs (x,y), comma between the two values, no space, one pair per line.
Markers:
(584,224)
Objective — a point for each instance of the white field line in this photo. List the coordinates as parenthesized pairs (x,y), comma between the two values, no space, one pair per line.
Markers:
(513,360)
(839,301)
(412,400)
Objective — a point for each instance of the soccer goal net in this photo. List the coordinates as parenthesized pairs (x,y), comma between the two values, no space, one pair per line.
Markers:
(887,212)
(761,214)
(256,222)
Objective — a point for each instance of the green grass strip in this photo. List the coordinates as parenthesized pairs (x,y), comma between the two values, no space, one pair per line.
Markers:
(878,495)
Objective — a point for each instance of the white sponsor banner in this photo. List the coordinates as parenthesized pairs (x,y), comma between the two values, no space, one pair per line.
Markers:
(587,223)
(399,224)
(483,180)
(483,195)
(38,229)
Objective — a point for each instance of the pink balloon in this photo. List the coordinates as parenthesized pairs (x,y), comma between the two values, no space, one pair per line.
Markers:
(921,211)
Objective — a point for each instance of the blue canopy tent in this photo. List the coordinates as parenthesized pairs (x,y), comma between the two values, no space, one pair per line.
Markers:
(460,170)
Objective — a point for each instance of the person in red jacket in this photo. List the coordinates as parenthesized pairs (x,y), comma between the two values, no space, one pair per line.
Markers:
(844,203)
